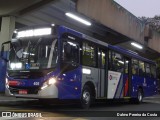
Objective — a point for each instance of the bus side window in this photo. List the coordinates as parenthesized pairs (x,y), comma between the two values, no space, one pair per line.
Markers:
(70,52)
(147,66)
(89,55)
(117,62)
(134,67)
(141,68)
(153,71)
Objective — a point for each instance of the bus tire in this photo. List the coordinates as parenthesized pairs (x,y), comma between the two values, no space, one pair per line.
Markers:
(139,96)
(86,97)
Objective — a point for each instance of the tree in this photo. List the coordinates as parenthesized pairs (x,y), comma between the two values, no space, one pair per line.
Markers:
(154,22)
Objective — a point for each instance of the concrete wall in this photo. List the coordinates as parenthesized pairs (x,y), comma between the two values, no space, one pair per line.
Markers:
(112,15)
(154,42)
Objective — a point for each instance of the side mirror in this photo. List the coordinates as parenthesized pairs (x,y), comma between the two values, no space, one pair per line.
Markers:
(5,50)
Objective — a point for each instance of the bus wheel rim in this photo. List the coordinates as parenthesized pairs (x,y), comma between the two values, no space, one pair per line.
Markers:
(140,96)
(86,97)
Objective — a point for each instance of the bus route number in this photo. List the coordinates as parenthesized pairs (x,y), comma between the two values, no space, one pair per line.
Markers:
(36,83)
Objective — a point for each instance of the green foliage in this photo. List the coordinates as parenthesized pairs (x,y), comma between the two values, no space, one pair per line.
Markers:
(154,23)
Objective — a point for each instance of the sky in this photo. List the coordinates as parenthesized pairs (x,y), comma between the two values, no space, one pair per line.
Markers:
(139,8)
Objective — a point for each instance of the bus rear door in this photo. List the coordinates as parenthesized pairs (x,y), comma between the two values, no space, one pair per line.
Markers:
(102,88)
(127,78)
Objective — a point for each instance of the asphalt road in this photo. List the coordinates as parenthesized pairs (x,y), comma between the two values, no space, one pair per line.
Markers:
(100,111)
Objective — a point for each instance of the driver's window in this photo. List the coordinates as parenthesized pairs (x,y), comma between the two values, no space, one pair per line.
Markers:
(70,52)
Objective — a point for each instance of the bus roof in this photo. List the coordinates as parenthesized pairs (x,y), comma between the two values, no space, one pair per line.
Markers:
(130,53)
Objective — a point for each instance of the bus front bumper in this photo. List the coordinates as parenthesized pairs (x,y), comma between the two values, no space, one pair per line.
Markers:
(48,92)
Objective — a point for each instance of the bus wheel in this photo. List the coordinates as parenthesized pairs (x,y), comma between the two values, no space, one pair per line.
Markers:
(140,96)
(86,97)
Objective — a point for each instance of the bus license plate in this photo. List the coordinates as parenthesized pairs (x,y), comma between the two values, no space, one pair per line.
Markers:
(23,91)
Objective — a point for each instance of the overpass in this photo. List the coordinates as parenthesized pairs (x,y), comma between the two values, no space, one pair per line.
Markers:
(114,16)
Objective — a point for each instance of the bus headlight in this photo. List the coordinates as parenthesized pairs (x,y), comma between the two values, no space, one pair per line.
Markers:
(15,66)
(51,81)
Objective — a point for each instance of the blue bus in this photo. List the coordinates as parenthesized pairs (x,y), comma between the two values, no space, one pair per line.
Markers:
(56,62)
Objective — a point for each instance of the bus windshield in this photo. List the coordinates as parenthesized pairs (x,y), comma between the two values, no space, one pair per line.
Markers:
(37,53)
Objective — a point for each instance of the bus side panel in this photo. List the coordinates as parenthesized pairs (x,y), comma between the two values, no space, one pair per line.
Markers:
(151,86)
(70,85)
(136,83)
(115,85)
(156,84)
(92,78)
(149,89)
(148,84)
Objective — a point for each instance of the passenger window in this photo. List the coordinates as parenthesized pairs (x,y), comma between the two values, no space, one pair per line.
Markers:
(70,52)
(89,56)
(148,70)
(135,67)
(141,68)
(117,62)
(153,71)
